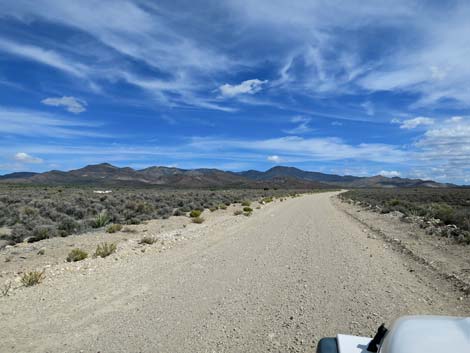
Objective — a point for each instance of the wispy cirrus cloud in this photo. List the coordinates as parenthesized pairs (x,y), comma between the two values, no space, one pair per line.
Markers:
(413,123)
(302,126)
(46,57)
(20,122)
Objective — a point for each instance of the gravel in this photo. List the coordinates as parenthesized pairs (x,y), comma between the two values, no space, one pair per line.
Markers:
(277,281)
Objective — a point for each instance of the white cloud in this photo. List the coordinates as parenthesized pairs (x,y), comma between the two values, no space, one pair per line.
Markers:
(72,104)
(390,173)
(275,159)
(46,57)
(368,107)
(246,87)
(414,123)
(302,126)
(309,149)
(33,123)
(26,158)
(336,123)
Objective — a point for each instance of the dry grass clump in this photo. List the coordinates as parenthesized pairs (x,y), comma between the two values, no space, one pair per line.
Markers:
(237,212)
(76,255)
(113,228)
(223,206)
(105,249)
(198,220)
(32,278)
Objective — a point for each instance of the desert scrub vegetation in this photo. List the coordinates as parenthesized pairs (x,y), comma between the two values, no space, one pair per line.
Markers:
(237,212)
(195,213)
(101,220)
(198,220)
(114,228)
(444,212)
(32,278)
(105,249)
(76,255)
(33,213)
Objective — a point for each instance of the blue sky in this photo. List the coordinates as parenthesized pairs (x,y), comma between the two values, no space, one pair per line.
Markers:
(348,87)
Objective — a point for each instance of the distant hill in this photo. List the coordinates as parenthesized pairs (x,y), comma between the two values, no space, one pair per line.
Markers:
(281,177)
(298,174)
(377,181)
(17,175)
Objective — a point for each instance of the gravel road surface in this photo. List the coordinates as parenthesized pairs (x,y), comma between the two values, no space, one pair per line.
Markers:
(277,281)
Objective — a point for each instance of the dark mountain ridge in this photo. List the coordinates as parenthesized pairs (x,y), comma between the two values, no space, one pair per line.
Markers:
(279,176)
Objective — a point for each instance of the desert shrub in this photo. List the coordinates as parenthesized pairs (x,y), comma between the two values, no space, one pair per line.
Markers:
(267,200)
(76,255)
(246,203)
(237,212)
(178,212)
(32,278)
(101,220)
(195,213)
(247,209)
(113,228)
(148,240)
(198,220)
(213,209)
(247,214)
(75,210)
(67,226)
(41,233)
(105,249)
(443,212)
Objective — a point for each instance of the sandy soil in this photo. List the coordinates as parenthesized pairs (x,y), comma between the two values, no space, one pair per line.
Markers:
(274,282)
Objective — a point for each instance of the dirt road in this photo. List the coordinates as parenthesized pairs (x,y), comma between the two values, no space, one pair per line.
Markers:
(275,282)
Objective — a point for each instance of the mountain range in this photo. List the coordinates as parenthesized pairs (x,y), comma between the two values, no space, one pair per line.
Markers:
(106,174)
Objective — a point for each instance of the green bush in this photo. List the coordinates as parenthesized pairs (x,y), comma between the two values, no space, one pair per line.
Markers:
(195,213)
(246,203)
(113,228)
(105,249)
(223,207)
(213,209)
(198,220)
(32,278)
(76,255)
(247,209)
(443,212)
